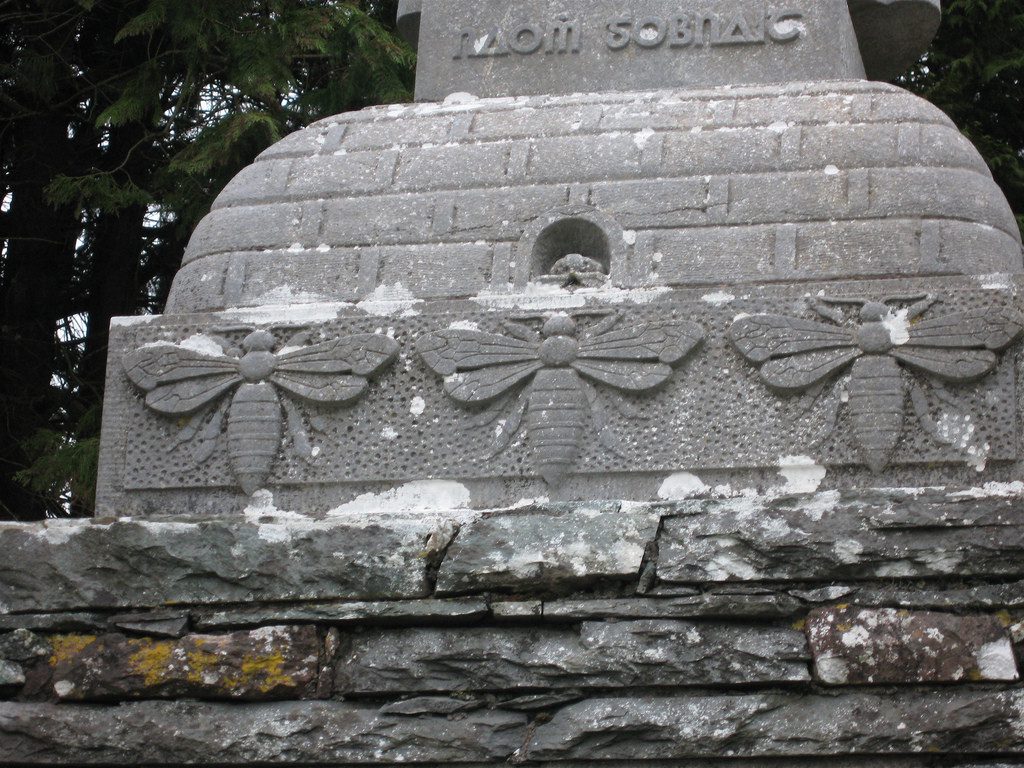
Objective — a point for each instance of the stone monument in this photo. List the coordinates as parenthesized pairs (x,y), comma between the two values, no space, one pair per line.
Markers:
(646,391)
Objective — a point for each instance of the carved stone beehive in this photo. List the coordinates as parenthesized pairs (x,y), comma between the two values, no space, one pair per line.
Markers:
(765,263)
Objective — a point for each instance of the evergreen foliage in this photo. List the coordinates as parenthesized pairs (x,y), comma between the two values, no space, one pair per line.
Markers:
(121,120)
(975,73)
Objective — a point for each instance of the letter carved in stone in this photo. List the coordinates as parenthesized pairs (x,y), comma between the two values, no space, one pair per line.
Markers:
(180,380)
(796,355)
(557,367)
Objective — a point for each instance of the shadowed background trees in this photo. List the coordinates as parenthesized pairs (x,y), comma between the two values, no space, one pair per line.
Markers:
(121,120)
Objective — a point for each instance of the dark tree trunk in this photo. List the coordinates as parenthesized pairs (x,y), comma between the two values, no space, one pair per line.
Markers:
(38,271)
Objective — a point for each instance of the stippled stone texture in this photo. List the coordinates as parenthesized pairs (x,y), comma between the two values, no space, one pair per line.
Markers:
(853,645)
(266,663)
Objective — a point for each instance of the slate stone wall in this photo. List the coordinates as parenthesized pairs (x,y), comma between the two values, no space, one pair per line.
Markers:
(883,629)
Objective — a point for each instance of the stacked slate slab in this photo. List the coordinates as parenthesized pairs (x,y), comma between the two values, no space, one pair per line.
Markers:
(643,395)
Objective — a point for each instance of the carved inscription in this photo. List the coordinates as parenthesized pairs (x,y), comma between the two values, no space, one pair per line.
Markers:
(183,381)
(796,355)
(557,366)
(564,35)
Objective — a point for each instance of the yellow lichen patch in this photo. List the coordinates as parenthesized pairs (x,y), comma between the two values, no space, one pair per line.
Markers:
(800,625)
(265,672)
(152,661)
(67,647)
(200,664)
(1005,618)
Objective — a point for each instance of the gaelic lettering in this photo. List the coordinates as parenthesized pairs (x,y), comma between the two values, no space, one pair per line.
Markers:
(685,30)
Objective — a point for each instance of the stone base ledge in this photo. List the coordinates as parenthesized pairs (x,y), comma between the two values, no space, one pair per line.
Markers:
(126,564)
(636,728)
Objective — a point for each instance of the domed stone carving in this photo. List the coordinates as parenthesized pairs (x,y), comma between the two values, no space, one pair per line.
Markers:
(688,169)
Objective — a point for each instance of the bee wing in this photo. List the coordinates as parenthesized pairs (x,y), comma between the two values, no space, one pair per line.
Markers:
(363,354)
(798,372)
(667,342)
(993,328)
(332,389)
(762,337)
(446,352)
(485,384)
(178,381)
(634,376)
(956,365)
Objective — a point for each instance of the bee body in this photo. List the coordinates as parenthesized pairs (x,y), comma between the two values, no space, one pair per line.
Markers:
(254,433)
(876,404)
(556,420)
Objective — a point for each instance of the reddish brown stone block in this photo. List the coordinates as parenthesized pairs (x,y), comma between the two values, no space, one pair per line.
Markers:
(264,664)
(855,646)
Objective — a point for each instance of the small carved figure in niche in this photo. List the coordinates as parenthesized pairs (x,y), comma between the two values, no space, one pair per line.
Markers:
(577,271)
(795,355)
(557,365)
(180,381)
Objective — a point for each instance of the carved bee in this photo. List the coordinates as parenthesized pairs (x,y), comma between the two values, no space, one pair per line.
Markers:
(180,382)
(795,355)
(557,366)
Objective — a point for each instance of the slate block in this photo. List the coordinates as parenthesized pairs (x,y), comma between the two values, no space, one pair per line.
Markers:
(642,728)
(596,655)
(849,535)
(305,733)
(538,550)
(91,564)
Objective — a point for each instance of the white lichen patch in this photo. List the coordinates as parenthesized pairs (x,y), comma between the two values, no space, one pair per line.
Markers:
(992,490)
(464,325)
(642,137)
(831,170)
(389,433)
(417,406)
(389,301)
(996,661)
(57,532)
(295,314)
(418,496)
(718,298)
(821,504)
(680,486)
(833,670)
(848,551)
(202,344)
(801,473)
(897,323)
(63,688)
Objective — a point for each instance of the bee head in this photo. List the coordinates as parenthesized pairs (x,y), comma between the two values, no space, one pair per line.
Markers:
(259,341)
(559,325)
